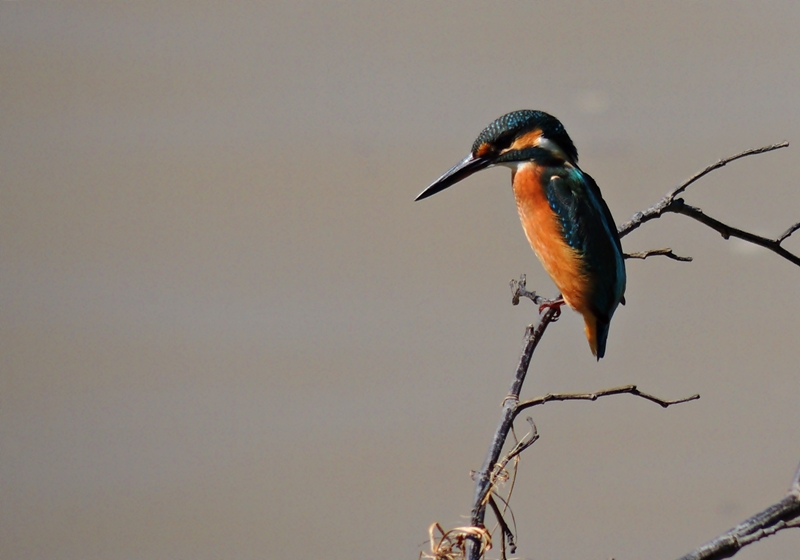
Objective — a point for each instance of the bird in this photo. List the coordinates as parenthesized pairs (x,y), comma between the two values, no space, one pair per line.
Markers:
(563,214)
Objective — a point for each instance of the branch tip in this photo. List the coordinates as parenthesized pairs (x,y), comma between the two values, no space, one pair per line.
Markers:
(665,252)
(795,488)
(722,163)
(788,232)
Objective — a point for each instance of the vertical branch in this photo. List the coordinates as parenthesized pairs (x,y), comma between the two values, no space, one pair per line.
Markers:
(533,334)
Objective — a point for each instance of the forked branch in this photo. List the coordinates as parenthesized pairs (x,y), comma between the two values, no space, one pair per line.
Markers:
(672,204)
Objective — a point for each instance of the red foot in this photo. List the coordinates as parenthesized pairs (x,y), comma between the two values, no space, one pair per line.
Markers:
(553,304)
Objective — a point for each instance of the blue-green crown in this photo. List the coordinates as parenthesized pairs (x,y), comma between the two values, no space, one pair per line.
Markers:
(502,132)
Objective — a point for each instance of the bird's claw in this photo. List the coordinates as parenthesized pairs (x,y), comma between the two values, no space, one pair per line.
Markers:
(555,305)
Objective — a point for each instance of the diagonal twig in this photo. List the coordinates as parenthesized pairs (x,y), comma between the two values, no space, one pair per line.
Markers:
(500,466)
(788,232)
(727,232)
(723,162)
(783,515)
(507,508)
(506,531)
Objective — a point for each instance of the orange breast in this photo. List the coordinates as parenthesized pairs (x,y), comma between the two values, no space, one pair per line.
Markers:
(543,231)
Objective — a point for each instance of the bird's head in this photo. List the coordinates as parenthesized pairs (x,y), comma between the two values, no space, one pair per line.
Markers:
(513,138)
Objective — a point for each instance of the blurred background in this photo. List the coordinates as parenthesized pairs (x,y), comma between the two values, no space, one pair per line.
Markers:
(227,331)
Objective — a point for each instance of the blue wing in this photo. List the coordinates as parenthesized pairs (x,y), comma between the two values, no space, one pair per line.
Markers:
(588,227)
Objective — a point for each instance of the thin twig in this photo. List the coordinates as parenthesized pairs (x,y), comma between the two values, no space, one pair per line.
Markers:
(788,232)
(500,466)
(665,252)
(625,389)
(500,474)
(523,444)
(512,545)
(506,532)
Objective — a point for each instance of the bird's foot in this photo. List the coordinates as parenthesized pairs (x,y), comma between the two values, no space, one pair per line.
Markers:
(554,304)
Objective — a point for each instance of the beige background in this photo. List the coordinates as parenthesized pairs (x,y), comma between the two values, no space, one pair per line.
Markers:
(227,331)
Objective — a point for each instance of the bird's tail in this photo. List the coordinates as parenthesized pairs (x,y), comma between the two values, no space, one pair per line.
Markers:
(597,334)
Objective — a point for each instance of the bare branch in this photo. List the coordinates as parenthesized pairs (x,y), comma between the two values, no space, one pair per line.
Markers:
(671,204)
(518,290)
(776,517)
(665,252)
(483,482)
(668,203)
(625,389)
(727,232)
(499,475)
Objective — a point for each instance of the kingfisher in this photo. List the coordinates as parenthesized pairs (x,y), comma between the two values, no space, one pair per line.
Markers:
(566,220)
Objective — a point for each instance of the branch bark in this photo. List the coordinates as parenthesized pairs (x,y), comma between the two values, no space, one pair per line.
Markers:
(782,515)
(671,204)
(625,389)
(665,252)
(727,231)
(533,334)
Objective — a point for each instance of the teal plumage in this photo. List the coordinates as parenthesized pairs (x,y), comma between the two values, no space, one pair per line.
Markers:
(588,227)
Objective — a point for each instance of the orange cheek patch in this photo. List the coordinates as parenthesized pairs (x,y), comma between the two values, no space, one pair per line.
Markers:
(483,150)
(527,140)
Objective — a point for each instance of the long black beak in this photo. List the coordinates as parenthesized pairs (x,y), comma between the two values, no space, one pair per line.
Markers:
(460,171)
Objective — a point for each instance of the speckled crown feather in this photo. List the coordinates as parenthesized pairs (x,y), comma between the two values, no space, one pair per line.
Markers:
(502,132)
